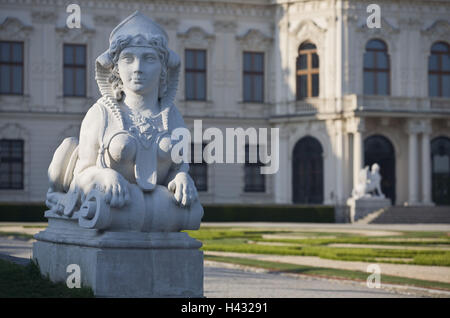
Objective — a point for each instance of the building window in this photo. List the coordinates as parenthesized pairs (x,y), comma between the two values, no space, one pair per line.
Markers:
(74,70)
(376,69)
(254,180)
(307,71)
(253,77)
(439,70)
(195,74)
(11,68)
(199,171)
(11,164)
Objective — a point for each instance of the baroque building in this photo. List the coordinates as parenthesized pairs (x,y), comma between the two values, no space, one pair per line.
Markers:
(343,95)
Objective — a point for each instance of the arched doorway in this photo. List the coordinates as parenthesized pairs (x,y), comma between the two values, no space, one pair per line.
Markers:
(440,165)
(307,171)
(378,149)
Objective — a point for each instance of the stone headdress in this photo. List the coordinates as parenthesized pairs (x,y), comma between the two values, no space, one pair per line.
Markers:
(137,30)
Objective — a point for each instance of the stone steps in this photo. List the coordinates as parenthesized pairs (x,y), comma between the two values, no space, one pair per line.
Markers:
(414,215)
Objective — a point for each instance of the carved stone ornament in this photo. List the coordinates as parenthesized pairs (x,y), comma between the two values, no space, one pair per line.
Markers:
(116,191)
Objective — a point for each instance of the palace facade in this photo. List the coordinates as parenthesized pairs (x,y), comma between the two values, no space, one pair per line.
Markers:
(343,95)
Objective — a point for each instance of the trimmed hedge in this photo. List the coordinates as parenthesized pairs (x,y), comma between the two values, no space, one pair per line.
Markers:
(268,213)
(213,213)
(22,212)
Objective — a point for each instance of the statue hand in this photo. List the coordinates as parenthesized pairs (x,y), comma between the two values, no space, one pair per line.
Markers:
(114,186)
(183,188)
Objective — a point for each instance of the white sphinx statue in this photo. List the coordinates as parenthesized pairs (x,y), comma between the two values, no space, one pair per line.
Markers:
(369,185)
(367,196)
(117,186)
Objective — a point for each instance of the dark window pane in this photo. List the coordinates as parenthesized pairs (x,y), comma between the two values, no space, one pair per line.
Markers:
(247,87)
(445,62)
(200,60)
(315,60)
(5,78)
(433,85)
(307,46)
(195,79)
(80,55)
(259,88)
(446,85)
(382,60)
(5,52)
(68,54)
(301,62)
(369,59)
(17,79)
(11,164)
(17,52)
(376,44)
(80,78)
(254,180)
(369,83)
(189,82)
(74,70)
(189,56)
(315,85)
(247,62)
(383,83)
(199,171)
(200,86)
(68,82)
(440,47)
(433,62)
(302,86)
(258,62)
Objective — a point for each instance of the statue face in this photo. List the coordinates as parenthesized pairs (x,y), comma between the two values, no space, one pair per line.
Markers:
(139,69)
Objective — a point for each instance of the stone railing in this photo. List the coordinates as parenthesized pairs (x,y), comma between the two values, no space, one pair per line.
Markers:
(353,102)
(308,106)
(395,104)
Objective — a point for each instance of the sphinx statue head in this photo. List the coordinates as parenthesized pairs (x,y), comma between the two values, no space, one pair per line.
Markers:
(140,36)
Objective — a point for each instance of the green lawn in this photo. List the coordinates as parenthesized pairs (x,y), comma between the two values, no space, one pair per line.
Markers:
(307,243)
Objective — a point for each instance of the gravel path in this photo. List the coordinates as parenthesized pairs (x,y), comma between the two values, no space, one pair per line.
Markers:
(221,281)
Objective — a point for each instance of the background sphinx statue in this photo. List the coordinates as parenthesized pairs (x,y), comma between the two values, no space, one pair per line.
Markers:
(120,175)
(369,183)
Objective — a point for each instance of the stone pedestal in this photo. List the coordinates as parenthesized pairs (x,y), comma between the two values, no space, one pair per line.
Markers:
(122,264)
(360,208)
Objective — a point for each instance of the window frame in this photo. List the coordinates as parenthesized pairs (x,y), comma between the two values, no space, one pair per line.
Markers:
(195,70)
(74,67)
(309,71)
(374,70)
(22,166)
(440,72)
(11,64)
(202,164)
(252,75)
(252,187)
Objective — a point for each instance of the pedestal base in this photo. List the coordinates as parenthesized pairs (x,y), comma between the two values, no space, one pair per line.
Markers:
(122,264)
(360,208)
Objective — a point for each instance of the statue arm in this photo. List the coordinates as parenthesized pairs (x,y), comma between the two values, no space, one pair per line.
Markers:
(87,174)
(178,180)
